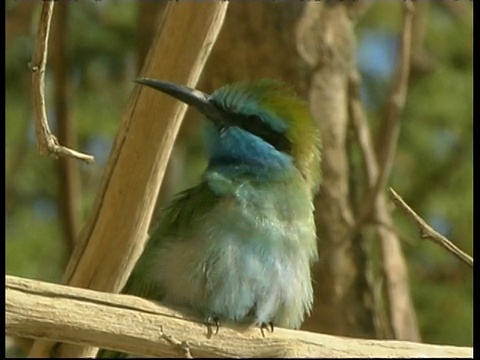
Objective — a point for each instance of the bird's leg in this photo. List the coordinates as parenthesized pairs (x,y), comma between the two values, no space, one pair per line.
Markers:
(213,321)
(266,325)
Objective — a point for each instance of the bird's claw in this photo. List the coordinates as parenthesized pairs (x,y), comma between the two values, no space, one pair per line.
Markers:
(264,325)
(214,321)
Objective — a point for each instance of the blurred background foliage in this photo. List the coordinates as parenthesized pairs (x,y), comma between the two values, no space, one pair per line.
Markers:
(106,42)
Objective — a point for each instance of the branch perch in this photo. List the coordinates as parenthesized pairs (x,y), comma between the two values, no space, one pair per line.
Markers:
(427,232)
(38,309)
(47,143)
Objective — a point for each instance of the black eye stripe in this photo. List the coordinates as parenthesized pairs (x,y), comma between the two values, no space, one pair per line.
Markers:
(256,126)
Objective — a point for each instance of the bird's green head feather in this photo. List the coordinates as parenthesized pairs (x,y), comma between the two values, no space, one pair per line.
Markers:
(274,111)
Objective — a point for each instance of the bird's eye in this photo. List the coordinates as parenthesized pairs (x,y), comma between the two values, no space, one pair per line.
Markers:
(254,120)
(257,126)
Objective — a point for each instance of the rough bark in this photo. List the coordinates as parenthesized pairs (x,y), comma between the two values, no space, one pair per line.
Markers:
(126,323)
(348,298)
(326,42)
(257,41)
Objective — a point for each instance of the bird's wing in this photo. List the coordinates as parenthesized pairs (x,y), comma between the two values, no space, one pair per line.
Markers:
(176,222)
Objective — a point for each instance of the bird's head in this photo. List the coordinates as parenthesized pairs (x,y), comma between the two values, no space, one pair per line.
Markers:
(267,112)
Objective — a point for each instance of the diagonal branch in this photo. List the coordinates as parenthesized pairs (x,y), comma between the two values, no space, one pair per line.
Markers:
(362,131)
(47,143)
(427,232)
(390,130)
(387,145)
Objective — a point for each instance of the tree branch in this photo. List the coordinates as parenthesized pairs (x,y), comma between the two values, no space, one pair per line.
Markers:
(47,143)
(402,314)
(362,131)
(378,165)
(130,324)
(390,129)
(427,232)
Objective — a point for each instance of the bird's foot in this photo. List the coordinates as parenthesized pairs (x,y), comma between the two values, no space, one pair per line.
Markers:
(213,321)
(266,325)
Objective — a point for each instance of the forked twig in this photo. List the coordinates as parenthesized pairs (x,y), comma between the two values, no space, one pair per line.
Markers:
(47,143)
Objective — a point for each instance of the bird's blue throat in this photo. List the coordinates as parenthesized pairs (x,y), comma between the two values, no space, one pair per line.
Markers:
(234,151)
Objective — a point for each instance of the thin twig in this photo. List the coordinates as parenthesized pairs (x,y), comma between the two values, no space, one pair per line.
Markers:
(362,130)
(47,143)
(388,137)
(360,126)
(427,232)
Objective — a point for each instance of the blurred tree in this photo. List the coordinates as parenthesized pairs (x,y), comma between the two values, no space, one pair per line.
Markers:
(69,195)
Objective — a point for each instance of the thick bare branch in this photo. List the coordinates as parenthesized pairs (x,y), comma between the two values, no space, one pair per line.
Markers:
(125,323)
(427,232)
(47,143)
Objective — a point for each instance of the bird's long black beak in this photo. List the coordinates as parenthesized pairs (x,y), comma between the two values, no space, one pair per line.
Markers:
(196,98)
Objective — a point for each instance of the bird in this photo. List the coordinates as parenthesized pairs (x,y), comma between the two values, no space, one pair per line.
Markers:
(239,246)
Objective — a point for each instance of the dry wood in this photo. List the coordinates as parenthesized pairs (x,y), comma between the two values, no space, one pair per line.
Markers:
(115,233)
(126,323)
(427,232)
(47,143)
